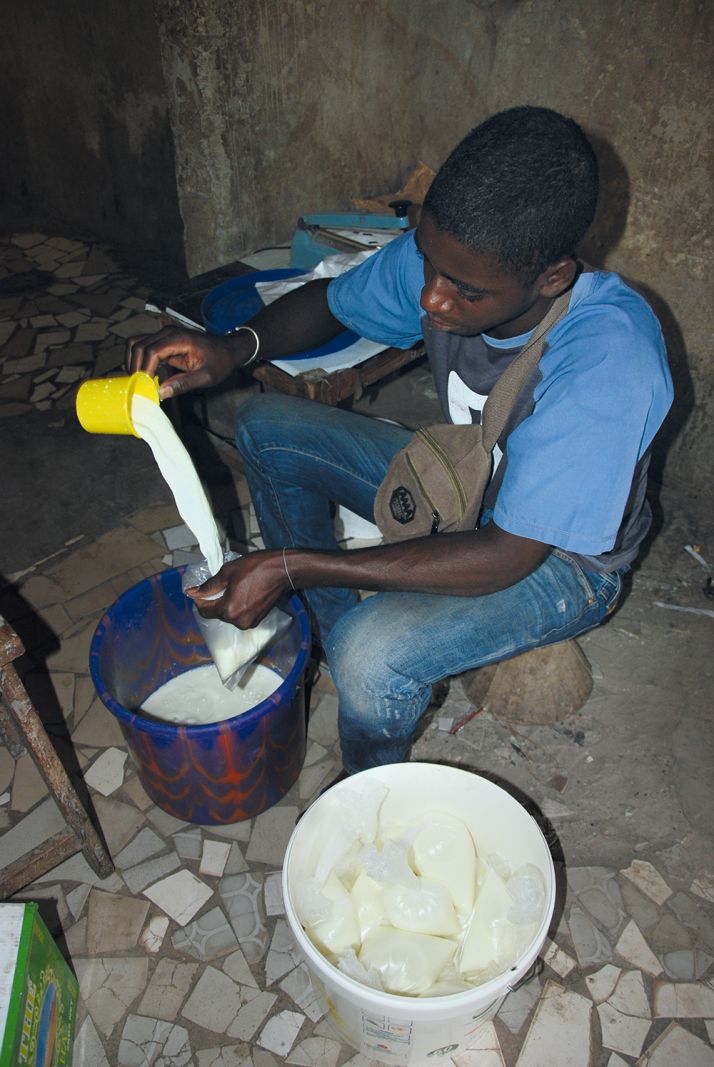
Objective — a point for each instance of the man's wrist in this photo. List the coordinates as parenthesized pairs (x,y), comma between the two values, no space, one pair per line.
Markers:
(246,346)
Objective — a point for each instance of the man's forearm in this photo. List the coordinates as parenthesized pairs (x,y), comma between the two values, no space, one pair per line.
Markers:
(467,564)
(297,321)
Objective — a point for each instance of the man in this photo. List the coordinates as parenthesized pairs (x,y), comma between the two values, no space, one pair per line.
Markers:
(565,510)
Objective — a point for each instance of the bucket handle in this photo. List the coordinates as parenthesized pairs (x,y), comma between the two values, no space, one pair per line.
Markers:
(535,969)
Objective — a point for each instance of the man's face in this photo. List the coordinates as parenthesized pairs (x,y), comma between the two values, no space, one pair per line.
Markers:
(468,293)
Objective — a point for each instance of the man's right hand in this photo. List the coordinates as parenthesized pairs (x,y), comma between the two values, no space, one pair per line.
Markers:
(203,359)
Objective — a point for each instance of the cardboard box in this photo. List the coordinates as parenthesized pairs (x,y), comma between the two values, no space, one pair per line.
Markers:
(38,993)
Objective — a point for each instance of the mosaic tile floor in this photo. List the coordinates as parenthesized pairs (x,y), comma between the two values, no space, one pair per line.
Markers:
(184,955)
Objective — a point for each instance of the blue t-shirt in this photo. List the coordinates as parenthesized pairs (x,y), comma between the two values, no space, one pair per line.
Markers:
(575,452)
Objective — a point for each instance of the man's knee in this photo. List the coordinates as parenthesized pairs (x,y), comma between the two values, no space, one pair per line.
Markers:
(253,419)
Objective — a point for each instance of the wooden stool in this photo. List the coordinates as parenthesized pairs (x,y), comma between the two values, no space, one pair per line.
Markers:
(543,685)
(23,731)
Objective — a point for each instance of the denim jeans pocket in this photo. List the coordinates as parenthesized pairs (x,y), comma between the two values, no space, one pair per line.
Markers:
(582,577)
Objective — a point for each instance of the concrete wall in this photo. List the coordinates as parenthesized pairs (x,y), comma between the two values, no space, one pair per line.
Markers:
(86,142)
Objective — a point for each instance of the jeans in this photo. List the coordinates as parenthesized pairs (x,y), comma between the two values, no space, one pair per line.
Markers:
(386,651)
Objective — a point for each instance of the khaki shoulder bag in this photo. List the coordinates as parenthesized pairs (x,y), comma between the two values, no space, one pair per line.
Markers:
(435,484)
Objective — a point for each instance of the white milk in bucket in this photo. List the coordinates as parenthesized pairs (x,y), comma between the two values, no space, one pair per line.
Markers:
(403,1030)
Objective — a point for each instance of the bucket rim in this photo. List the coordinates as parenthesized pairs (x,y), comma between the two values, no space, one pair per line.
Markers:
(143,723)
(493,989)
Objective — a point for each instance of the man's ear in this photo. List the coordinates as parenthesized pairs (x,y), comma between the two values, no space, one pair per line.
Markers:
(556,278)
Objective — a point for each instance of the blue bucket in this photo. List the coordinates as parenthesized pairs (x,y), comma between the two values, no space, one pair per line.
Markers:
(215,773)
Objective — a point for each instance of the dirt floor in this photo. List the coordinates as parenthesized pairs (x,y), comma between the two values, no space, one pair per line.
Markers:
(623,790)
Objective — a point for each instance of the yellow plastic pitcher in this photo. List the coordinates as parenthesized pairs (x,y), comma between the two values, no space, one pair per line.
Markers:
(104,404)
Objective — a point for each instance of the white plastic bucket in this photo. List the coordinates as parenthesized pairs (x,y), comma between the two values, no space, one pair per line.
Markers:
(419,1031)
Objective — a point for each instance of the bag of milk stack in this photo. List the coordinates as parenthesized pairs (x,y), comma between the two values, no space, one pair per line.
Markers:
(233,650)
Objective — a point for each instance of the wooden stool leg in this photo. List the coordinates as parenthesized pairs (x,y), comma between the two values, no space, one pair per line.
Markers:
(14,695)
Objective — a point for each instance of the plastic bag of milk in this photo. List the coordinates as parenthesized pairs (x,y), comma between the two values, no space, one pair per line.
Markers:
(232,650)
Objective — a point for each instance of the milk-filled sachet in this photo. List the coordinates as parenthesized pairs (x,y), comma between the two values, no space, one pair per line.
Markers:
(424,908)
(232,650)
(368,903)
(492,938)
(407,963)
(443,850)
(338,930)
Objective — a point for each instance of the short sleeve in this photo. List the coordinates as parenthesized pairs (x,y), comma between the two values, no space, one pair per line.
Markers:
(379,299)
(605,391)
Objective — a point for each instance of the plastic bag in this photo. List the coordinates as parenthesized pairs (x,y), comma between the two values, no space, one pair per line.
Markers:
(232,650)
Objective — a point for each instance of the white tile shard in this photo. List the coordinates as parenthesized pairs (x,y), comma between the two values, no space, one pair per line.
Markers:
(633,948)
(559,1034)
(648,879)
(180,895)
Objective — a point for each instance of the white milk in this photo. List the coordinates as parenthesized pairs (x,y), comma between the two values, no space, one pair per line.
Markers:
(180,474)
(198,696)
(230,647)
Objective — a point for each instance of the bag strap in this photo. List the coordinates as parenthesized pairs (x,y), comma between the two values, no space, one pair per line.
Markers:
(504,394)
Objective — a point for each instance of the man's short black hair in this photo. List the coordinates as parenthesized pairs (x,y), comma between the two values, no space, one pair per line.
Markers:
(521,187)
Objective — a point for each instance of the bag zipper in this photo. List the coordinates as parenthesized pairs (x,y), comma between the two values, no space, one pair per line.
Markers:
(443,458)
(435,516)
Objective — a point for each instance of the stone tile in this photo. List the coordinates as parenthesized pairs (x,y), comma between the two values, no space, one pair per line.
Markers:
(518,1005)
(214,858)
(153,934)
(91,331)
(683,1000)
(271,833)
(137,878)
(256,1005)
(242,895)
(630,996)
(88,1048)
(145,844)
(179,537)
(167,989)
(649,880)
(206,938)
(189,843)
(147,1041)
(273,893)
(136,793)
(314,777)
(322,726)
(214,1002)
(558,961)
(77,898)
(44,821)
(639,906)
(703,887)
(236,831)
(76,869)
(236,967)
(98,729)
(624,1033)
(137,324)
(616,1061)
(236,863)
(599,895)
(226,1056)
(283,953)
(106,557)
(686,965)
(106,774)
(677,1046)
(559,1034)
(119,822)
(166,824)
(114,922)
(591,945)
(57,916)
(316,1052)
(299,988)
(76,939)
(28,786)
(633,948)
(7,768)
(279,1033)
(180,895)
(109,986)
